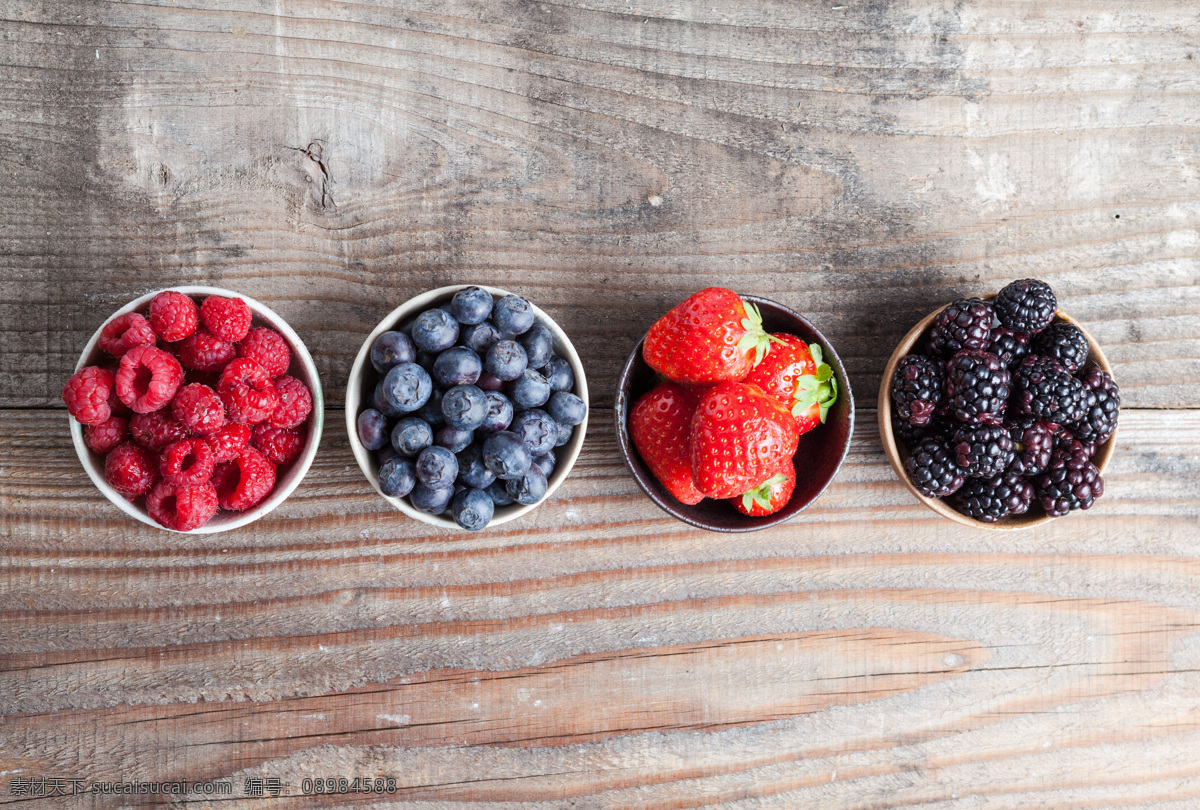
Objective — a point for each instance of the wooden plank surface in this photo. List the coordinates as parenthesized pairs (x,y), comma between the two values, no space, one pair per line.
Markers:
(862,162)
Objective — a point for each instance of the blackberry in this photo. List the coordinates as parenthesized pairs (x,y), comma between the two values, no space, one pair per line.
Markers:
(1011,347)
(912,435)
(933,470)
(1102,408)
(1065,343)
(983,451)
(990,499)
(1033,368)
(1052,395)
(1069,484)
(1070,451)
(1027,305)
(964,324)
(917,388)
(977,385)
(1034,443)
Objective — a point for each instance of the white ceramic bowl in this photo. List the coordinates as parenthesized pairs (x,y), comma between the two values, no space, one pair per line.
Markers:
(302,368)
(361,386)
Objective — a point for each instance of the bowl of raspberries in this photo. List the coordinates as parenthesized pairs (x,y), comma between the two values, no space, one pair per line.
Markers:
(195,409)
(733,412)
(466,407)
(1000,411)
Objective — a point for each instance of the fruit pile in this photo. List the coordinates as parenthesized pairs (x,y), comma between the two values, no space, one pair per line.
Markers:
(1004,409)
(198,411)
(468,408)
(726,421)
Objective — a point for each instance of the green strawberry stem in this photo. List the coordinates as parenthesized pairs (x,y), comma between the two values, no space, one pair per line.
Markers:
(755,336)
(815,389)
(761,494)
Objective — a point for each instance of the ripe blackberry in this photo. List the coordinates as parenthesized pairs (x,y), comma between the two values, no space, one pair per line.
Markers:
(990,499)
(1102,408)
(912,435)
(983,451)
(1052,395)
(1027,305)
(965,324)
(1032,368)
(977,385)
(1067,485)
(917,388)
(1034,442)
(1011,347)
(933,469)
(1065,343)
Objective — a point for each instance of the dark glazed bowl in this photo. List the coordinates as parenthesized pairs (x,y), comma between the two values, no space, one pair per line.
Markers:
(818,456)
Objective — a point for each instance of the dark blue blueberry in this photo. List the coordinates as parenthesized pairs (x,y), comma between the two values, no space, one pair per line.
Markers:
(471,305)
(411,435)
(506,360)
(480,337)
(538,344)
(406,328)
(558,373)
(564,434)
(498,492)
(458,365)
(406,387)
(545,463)
(537,430)
(566,408)
(490,382)
(499,413)
(453,439)
(386,454)
(392,349)
(505,455)
(472,472)
(434,330)
(529,390)
(431,411)
(436,467)
(396,477)
(464,407)
(431,501)
(372,429)
(529,488)
(472,509)
(380,404)
(512,315)
(425,359)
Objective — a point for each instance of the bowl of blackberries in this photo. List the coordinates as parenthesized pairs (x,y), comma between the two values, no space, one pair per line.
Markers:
(1000,411)
(466,407)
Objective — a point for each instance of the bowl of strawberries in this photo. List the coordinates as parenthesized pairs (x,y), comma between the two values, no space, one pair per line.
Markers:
(195,409)
(733,413)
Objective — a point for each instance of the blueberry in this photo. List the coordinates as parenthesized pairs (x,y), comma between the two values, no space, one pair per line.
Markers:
(472,472)
(425,359)
(489,382)
(537,430)
(396,477)
(512,315)
(471,305)
(506,360)
(431,411)
(392,349)
(472,509)
(372,429)
(411,435)
(505,455)
(480,337)
(529,390)
(434,330)
(538,344)
(464,407)
(386,454)
(545,463)
(564,434)
(558,373)
(498,492)
(566,408)
(379,403)
(457,365)
(431,501)
(499,413)
(529,488)
(453,439)
(436,467)
(406,387)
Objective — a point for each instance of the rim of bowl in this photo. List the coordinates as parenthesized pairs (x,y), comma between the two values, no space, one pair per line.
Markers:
(665,500)
(299,467)
(896,457)
(365,457)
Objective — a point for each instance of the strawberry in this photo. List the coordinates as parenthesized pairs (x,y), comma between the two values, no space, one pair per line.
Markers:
(711,337)
(796,377)
(739,438)
(659,425)
(770,496)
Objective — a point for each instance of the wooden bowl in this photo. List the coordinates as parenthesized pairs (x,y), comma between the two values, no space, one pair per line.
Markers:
(917,340)
(818,456)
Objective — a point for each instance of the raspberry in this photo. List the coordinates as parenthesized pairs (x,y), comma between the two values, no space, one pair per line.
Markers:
(204,351)
(160,503)
(199,409)
(156,430)
(247,392)
(115,404)
(227,318)
(131,470)
(280,445)
(245,481)
(917,388)
(148,378)
(268,349)
(1027,305)
(173,316)
(965,324)
(228,442)
(977,385)
(195,506)
(187,463)
(124,332)
(86,395)
(105,436)
(295,403)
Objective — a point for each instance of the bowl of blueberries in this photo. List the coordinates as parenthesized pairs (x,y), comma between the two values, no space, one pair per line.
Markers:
(466,407)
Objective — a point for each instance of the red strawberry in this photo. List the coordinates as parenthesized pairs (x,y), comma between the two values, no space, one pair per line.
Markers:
(795,376)
(711,337)
(659,425)
(770,496)
(739,438)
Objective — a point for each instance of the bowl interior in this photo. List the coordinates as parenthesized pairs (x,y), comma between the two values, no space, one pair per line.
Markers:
(818,456)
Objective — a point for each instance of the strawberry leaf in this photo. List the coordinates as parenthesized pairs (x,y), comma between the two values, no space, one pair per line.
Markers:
(818,389)
(761,494)
(755,336)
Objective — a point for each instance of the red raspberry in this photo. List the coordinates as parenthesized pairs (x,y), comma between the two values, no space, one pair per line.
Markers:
(115,404)
(105,436)
(156,430)
(173,316)
(148,378)
(247,392)
(124,332)
(131,470)
(280,445)
(245,481)
(86,395)
(203,351)
(182,508)
(227,318)
(187,463)
(295,403)
(199,409)
(268,349)
(228,442)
